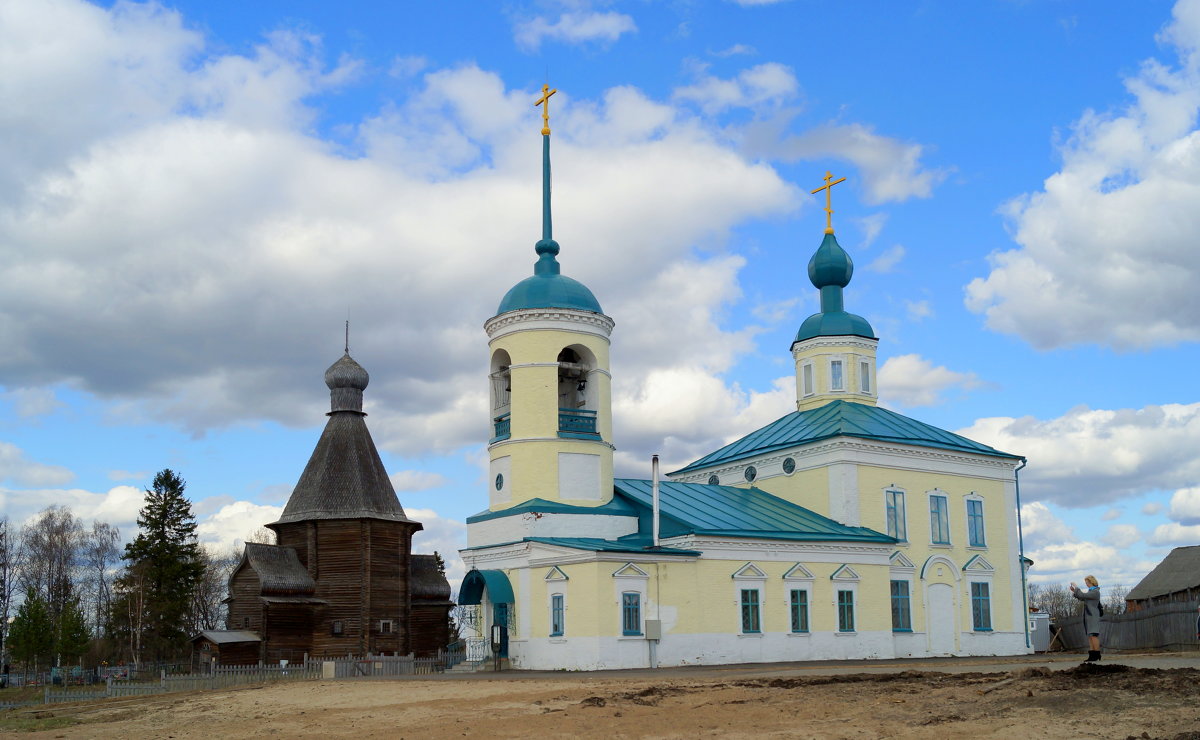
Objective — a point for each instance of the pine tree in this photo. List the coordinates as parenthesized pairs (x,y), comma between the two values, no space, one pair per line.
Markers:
(73,637)
(163,566)
(31,639)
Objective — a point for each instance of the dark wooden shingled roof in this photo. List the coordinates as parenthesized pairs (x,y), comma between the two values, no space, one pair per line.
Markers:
(1179,571)
(426,581)
(344,478)
(279,570)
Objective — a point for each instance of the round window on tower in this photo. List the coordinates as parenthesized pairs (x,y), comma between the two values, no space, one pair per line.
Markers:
(751,474)
(499,481)
(714,480)
(789,465)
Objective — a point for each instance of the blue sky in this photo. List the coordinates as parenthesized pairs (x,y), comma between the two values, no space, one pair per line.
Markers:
(198,194)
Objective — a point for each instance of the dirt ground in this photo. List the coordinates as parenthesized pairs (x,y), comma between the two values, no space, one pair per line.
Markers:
(1103,701)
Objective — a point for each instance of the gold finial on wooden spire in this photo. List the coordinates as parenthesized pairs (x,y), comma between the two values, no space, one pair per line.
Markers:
(828,188)
(545,100)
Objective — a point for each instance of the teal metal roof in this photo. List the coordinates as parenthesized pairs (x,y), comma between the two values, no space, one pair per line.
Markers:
(498,587)
(834,324)
(549,291)
(842,419)
(830,270)
(616,507)
(694,508)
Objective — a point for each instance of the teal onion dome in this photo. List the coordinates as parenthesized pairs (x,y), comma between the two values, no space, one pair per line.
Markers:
(830,270)
(830,265)
(548,287)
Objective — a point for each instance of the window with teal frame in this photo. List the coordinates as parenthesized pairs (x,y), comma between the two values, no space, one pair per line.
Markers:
(901,607)
(631,613)
(939,520)
(981,607)
(896,525)
(751,623)
(556,615)
(799,607)
(845,604)
(975,534)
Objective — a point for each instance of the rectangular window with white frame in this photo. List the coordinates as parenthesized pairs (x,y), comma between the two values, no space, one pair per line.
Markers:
(939,519)
(631,613)
(901,607)
(897,526)
(975,532)
(798,603)
(751,616)
(557,615)
(981,607)
(806,373)
(845,611)
(864,376)
(837,379)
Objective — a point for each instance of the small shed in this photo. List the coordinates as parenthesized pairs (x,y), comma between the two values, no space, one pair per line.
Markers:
(225,647)
(1176,578)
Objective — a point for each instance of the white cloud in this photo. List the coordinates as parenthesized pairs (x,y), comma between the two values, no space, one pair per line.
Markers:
(767,84)
(226,238)
(887,261)
(1060,556)
(1185,505)
(1119,217)
(573,28)
(1122,536)
(735,50)
(443,536)
(416,480)
(911,380)
(15,467)
(1151,508)
(30,403)
(1111,514)
(118,506)
(871,226)
(404,67)
(1174,533)
(891,169)
(230,524)
(1091,457)
(918,310)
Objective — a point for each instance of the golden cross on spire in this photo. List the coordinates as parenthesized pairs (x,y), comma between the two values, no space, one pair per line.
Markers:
(828,188)
(545,100)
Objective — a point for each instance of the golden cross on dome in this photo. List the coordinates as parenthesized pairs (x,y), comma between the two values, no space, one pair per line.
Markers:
(828,188)
(545,100)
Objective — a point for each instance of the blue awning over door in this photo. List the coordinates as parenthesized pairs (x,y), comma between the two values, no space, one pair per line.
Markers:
(498,587)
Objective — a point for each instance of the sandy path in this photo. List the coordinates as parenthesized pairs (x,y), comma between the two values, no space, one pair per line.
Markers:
(1108,702)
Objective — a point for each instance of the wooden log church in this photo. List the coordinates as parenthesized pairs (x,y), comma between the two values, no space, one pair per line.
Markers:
(342,579)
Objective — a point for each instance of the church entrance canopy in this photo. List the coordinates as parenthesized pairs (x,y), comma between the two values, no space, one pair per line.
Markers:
(498,587)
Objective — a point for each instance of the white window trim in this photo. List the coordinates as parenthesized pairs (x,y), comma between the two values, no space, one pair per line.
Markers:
(634,580)
(829,373)
(864,363)
(562,636)
(798,583)
(750,577)
(949,518)
(903,492)
(974,496)
(812,375)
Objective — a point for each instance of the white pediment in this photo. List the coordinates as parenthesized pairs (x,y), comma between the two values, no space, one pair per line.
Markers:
(629,570)
(749,570)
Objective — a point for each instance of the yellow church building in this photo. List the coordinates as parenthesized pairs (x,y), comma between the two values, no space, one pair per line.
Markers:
(842,530)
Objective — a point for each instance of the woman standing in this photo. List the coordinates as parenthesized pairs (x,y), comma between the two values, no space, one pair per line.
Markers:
(1091,613)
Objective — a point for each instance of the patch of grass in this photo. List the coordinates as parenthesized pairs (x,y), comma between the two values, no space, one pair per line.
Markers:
(12,723)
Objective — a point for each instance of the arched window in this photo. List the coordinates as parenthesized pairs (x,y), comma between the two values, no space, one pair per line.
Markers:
(501,382)
(575,365)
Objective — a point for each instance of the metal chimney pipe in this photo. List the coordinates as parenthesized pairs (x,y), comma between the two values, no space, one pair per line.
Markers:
(654,486)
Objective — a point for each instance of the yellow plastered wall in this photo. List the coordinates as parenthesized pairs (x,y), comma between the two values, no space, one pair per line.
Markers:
(916,486)
(534,443)
(819,355)
(808,488)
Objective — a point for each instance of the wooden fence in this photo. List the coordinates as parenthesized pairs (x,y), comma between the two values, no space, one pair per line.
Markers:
(1163,626)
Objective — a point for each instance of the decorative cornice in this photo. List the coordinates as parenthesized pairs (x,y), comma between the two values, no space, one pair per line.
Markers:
(515,440)
(506,323)
(839,342)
